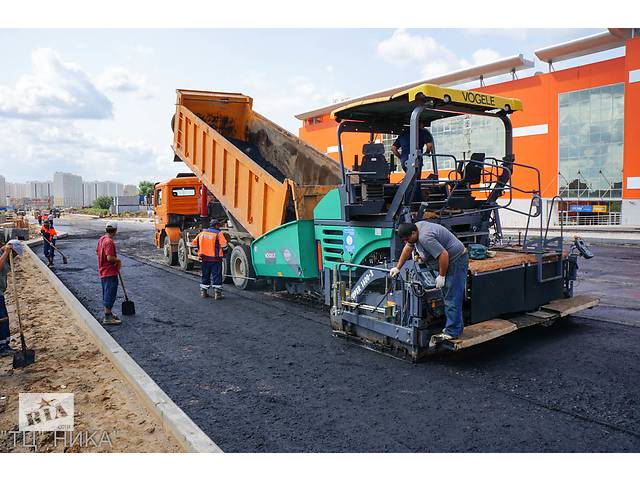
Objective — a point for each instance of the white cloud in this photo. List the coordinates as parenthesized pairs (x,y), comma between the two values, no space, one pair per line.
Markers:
(119,79)
(280,100)
(144,49)
(46,149)
(484,55)
(403,48)
(54,89)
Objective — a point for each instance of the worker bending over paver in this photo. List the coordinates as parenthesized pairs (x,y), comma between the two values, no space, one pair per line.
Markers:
(442,251)
(212,246)
(50,236)
(108,267)
(13,247)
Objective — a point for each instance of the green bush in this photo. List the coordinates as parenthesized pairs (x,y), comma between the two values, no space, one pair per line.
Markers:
(102,212)
(102,202)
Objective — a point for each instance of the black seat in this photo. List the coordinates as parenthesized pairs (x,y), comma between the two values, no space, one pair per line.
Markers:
(373,175)
(374,171)
(374,164)
(471,172)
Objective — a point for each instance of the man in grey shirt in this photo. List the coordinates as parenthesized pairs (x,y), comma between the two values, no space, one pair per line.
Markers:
(442,251)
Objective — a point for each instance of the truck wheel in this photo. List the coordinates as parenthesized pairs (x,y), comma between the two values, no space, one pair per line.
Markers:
(241,267)
(226,269)
(170,258)
(183,260)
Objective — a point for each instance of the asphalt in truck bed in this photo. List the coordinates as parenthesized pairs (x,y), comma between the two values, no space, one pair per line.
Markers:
(260,374)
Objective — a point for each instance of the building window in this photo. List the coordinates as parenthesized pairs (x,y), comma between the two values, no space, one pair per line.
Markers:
(387,141)
(590,140)
(463,135)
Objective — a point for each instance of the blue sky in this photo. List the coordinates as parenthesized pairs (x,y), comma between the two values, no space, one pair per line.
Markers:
(98,102)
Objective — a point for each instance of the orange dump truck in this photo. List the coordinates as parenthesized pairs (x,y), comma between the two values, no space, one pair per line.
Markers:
(246,170)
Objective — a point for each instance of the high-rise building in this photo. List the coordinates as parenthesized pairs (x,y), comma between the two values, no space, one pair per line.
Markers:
(17,190)
(109,189)
(3,192)
(89,193)
(40,190)
(67,190)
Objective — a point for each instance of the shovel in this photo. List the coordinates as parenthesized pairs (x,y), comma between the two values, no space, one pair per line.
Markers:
(128,307)
(64,258)
(24,357)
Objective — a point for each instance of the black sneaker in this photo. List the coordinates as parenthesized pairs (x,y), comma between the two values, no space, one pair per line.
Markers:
(204,293)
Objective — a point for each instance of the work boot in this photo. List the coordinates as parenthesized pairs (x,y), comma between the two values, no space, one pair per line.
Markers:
(6,350)
(217,294)
(445,336)
(204,293)
(111,319)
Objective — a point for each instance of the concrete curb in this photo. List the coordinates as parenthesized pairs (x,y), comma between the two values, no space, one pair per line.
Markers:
(175,422)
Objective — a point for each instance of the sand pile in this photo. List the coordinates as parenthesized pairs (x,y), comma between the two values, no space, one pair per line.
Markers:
(67,361)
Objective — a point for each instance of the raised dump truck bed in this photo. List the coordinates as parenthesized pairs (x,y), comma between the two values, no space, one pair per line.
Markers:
(262,175)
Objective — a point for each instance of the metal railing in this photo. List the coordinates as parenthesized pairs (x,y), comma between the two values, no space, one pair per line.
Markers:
(588,219)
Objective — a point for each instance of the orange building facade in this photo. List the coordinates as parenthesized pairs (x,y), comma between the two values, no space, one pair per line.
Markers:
(580,127)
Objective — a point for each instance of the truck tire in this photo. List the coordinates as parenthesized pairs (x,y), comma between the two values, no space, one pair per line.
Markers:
(226,269)
(183,260)
(171,259)
(241,267)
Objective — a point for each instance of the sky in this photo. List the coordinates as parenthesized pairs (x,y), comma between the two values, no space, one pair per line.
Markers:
(98,103)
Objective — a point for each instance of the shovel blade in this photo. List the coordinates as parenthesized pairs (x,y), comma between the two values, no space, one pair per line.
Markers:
(128,308)
(64,260)
(23,358)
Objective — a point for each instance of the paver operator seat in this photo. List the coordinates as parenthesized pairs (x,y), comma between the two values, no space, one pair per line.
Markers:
(374,171)
(471,174)
(373,174)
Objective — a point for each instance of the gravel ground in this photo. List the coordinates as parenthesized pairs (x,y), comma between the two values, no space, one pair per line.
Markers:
(67,361)
(260,374)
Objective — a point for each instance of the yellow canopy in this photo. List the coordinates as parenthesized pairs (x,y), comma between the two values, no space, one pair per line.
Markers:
(401,104)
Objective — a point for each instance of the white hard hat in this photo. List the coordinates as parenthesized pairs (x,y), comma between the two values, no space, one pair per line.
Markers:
(112,224)
(16,246)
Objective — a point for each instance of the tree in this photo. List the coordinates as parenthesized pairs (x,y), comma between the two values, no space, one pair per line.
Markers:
(145,188)
(102,202)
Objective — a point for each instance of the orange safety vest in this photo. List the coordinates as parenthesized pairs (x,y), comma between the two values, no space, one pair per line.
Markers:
(49,232)
(210,244)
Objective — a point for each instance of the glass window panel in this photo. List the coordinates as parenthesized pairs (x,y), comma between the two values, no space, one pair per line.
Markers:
(590,142)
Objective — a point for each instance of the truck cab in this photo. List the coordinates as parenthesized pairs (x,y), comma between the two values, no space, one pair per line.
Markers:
(176,208)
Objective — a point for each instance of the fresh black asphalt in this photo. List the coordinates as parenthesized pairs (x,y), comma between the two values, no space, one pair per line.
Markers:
(260,374)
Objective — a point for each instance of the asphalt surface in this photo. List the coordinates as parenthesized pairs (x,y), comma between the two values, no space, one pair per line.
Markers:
(261,374)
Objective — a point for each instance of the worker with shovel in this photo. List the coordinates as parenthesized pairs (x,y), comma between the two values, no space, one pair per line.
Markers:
(14,247)
(50,235)
(108,269)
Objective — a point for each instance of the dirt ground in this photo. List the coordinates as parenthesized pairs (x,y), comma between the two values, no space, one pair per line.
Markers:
(67,361)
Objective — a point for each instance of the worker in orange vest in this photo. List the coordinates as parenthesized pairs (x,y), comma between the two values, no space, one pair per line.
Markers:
(212,246)
(49,234)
